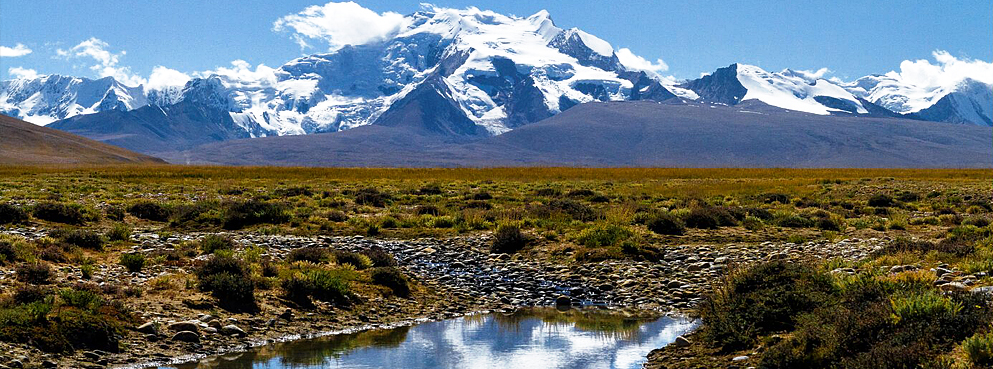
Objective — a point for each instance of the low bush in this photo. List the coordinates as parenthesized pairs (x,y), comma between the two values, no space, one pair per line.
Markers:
(120,232)
(211,243)
(508,239)
(753,223)
(60,213)
(979,349)
(429,190)
(765,298)
(149,210)
(427,210)
(337,216)
(78,319)
(379,257)
(667,224)
(34,273)
(548,192)
(602,235)
(311,254)
(239,215)
(133,262)
(481,196)
(80,238)
(574,209)
(229,281)
(371,197)
(790,220)
(292,192)
(354,259)
(319,284)
(392,278)
(881,201)
(702,218)
(582,193)
(12,214)
(775,197)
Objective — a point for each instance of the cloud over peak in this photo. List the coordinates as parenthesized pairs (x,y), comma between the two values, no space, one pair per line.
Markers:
(107,61)
(947,72)
(339,24)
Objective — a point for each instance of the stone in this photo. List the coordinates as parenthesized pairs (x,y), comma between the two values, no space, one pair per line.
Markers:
(148,328)
(186,336)
(984,290)
(232,330)
(740,358)
(184,326)
(953,286)
(16,364)
(563,300)
(681,342)
(49,364)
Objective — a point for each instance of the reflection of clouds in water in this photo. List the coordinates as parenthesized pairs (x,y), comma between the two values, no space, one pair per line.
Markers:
(523,341)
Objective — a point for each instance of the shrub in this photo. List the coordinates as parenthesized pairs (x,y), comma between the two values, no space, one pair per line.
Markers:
(881,200)
(82,298)
(790,220)
(337,216)
(133,261)
(239,215)
(392,278)
(762,299)
(7,252)
(149,210)
(481,196)
(209,244)
(776,197)
(28,293)
(357,260)
(320,284)
(581,193)
(429,190)
(508,239)
(115,213)
(389,222)
(666,223)
(923,306)
(477,204)
(830,223)
(372,230)
(976,221)
(311,254)
(292,192)
(753,223)
(603,235)
(229,281)
(548,192)
(80,238)
(702,218)
(12,214)
(979,349)
(59,213)
(379,257)
(372,197)
(427,210)
(120,232)
(576,210)
(34,273)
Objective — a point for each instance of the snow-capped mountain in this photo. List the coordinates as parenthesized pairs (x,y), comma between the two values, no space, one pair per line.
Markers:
(463,72)
(967,101)
(50,98)
(788,89)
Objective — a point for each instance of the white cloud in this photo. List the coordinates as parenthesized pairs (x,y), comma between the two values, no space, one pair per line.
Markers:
(13,52)
(817,74)
(632,61)
(107,61)
(164,77)
(19,73)
(339,24)
(948,72)
(241,75)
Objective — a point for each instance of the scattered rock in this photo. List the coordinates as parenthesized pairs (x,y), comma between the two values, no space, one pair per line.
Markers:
(563,300)
(187,336)
(681,342)
(184,326)
(148,328)
(232,330)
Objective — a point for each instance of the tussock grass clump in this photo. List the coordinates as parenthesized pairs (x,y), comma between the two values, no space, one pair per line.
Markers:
(80,238)
(379,257)
(212,243)
(667,224)
(229,281)
(133,262)
(11,214)
(60,213)
(372,197)
(120,232)
(62,322)
(320,284)
(311,254)
(508,239)
(602,235)
(337,216)
(239,215)
(35,273)
(354,259)
(574,209)
(392,278)
(926,305)
(766,298)
(149,210)
(427,210)
(979,349)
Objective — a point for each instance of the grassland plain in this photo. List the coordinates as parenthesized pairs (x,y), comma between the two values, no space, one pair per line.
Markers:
(218,255)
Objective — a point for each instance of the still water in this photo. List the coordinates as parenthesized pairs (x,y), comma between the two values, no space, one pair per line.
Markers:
(533,338)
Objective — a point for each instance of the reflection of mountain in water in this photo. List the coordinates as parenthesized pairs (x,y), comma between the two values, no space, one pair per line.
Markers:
(571,339)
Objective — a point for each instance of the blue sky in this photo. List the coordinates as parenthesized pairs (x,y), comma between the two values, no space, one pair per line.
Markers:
(851,38)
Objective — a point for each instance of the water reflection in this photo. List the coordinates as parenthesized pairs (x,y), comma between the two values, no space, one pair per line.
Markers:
(533,338)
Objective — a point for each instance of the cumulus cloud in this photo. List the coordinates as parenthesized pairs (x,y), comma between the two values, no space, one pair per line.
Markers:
(163,77)
(19,73)
(107,61)
(817,74)
(241,75)
(339,24)
(13,52)
(947,72)
(632,61)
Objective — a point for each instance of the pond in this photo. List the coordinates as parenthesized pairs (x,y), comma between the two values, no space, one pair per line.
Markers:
(527,338)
